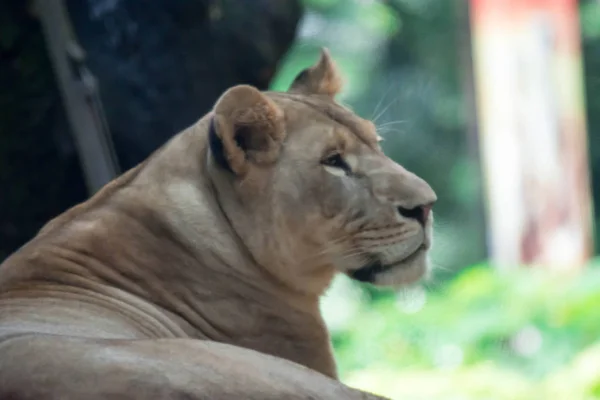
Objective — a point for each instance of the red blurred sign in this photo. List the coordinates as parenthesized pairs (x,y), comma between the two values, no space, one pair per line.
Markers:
(532,131)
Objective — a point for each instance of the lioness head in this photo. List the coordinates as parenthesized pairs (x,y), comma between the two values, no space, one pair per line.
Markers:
(308,190)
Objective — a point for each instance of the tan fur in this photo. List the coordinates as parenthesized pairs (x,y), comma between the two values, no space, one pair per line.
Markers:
(321,79)
(182,278)
(245,108)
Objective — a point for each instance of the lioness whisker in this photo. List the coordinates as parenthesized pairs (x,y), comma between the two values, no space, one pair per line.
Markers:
(327,250)
(391,123)
(382,112)
(381,99)
(351,254)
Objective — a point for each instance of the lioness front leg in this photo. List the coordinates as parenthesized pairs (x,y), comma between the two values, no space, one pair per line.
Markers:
(55,367)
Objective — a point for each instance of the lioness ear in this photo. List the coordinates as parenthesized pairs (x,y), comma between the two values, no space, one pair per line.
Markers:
(246,128)
(322,78)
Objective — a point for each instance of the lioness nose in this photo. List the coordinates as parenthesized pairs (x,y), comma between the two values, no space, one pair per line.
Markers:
(420,213)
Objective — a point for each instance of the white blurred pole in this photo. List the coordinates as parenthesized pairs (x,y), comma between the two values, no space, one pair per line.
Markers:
(532,132)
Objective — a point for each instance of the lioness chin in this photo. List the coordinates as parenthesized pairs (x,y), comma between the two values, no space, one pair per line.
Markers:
(198,273)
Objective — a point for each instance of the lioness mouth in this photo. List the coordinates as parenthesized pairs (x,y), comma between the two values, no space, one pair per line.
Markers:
(375,267)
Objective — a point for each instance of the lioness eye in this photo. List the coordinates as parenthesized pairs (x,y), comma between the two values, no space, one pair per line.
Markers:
(336,161)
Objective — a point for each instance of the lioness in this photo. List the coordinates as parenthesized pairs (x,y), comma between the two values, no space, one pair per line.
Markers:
(197,274)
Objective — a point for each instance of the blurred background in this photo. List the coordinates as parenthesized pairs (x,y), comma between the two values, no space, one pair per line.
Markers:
(495,103)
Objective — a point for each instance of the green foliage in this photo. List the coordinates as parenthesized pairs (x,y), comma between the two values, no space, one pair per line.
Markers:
(590,19)
(487,334)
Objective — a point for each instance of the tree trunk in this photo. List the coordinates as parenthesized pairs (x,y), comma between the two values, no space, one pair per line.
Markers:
(160,65)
